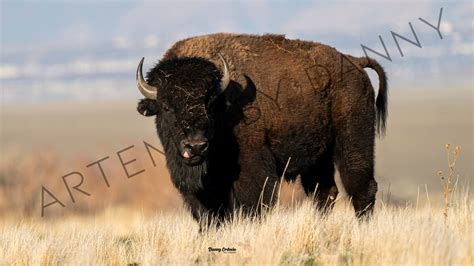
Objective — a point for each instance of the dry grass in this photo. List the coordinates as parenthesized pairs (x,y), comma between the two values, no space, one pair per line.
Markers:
(285,235)
(447,181)
(292,234)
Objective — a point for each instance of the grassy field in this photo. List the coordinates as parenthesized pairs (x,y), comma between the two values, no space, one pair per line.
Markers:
(141,219)
(285,235)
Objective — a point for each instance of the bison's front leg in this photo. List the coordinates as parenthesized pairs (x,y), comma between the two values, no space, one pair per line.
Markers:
(204,213)
(257,185)
(318,182)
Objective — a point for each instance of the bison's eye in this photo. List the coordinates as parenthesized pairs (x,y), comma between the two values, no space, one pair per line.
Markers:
(165,107)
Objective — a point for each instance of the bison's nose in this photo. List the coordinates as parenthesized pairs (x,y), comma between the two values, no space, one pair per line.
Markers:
(200,146)
(195,146)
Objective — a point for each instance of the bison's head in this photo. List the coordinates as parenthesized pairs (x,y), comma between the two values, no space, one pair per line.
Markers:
(182,93)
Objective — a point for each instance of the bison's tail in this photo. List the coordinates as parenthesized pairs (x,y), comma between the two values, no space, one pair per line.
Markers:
(381,101)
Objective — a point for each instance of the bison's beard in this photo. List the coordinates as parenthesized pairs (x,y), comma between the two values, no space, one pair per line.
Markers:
(187,178)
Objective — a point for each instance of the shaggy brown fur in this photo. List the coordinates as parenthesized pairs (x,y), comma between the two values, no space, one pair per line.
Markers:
(289,98)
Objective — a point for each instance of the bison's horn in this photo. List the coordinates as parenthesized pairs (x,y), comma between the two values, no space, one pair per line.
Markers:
(148,91)
(226,75)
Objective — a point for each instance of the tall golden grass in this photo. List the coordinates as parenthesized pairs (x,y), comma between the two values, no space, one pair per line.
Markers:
(125,231)
(285,235)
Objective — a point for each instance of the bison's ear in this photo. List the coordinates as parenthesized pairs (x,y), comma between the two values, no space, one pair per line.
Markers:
(147,107)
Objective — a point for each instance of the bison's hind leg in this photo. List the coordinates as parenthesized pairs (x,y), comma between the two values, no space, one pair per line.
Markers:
(318,182)
(355,161)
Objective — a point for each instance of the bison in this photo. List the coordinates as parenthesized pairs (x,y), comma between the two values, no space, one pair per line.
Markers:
(232,109)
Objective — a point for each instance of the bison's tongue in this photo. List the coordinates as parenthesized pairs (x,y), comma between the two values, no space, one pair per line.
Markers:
(186,154)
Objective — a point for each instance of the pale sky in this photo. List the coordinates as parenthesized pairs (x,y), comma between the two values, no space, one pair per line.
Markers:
(75,50)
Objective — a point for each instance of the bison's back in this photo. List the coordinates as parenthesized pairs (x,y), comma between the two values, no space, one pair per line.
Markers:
(289,75)
(246,54)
